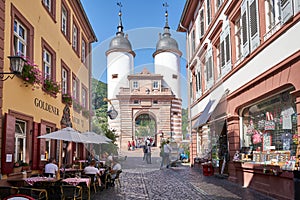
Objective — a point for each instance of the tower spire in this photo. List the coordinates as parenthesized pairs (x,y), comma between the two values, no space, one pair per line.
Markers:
(120,26)
(166,28)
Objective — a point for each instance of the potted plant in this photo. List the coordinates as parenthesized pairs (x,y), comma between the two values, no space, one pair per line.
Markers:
(51,86)
(66,99)
(31,74)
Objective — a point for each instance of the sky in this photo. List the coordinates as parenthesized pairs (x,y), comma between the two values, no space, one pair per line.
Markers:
(142,20)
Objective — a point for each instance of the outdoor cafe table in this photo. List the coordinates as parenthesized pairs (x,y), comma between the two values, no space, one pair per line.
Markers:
(77,181)
(32,180)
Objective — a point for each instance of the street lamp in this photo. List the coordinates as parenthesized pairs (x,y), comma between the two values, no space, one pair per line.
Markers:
(111,113)
(16,67)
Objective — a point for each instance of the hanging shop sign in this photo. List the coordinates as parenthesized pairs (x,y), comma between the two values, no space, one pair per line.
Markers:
(46,106)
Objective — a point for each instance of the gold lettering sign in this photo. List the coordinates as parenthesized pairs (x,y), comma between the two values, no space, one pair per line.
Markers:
(45,106)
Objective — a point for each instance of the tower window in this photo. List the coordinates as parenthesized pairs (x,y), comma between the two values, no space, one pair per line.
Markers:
(114,76)
(155,102)
(174,76)
(136,101)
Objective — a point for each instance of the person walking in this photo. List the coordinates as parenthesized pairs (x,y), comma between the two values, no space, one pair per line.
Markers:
(129,145)
(145,150)
(166,155)
(148,155)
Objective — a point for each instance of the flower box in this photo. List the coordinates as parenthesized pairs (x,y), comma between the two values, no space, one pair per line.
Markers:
(51,87)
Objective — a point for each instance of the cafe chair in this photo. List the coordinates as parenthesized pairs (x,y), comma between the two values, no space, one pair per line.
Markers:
(39,194)
(111,181)
(71,192)
(94,180)
(6,191)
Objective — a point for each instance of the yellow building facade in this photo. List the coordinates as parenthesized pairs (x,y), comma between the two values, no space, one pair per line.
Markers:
(56,37)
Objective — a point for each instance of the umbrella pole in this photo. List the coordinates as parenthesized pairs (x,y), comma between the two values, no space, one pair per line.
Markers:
(59,158)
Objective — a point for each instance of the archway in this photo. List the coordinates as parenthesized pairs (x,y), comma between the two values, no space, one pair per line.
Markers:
(144,127)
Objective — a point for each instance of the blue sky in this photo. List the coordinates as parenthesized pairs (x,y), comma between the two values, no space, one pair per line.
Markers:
(143,20)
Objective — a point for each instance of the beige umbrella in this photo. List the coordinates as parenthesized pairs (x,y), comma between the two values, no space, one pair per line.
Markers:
(95,138)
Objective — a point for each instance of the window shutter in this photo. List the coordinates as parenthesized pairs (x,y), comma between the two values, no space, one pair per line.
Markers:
(8,143)
(244,24)
(209,67)
(286,10)
(254,25)
(35,152)
(296,6)
(42,143)
(226,55)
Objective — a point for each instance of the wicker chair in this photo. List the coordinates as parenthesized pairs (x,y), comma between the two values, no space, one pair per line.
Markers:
(71,192)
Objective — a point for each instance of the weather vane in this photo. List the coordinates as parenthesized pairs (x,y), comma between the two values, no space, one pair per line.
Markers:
(120,5)
(166,5)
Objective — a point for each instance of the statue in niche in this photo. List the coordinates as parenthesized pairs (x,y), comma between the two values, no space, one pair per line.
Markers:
(66,117)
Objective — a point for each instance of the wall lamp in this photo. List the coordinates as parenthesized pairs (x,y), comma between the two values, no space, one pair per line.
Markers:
(111,113)
(16,67)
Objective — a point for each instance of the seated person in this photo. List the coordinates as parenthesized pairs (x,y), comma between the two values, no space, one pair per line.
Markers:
(115,167)
(92,170)
(51,168)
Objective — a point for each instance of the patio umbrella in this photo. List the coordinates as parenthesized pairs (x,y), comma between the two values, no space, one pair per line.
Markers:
(66,134)
(95,138)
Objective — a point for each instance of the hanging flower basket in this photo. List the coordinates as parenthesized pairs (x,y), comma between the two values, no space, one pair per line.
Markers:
(31,75)
(67,99)
(51,87)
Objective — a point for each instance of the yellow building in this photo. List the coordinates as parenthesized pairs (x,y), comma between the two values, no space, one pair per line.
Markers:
(56,36)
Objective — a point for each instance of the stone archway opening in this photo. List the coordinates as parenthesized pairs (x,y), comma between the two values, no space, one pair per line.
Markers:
(145,127)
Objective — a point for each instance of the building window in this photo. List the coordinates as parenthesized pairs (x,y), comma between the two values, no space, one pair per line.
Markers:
(64,81)
(193,42)
(155,85)
(83,50)
(201,20)
(20,140)
(273,17)
(174,76)
(270,125)
(135,84)
(238,39)
(136,101)
(48,145)
(49,5)
(75,89)
(84,97)
(47,64)
(225,54)
(155,102)
(219,4)
(208,11)
(209,68)
(250,26)
(20,38)
(64,20)
(75,41)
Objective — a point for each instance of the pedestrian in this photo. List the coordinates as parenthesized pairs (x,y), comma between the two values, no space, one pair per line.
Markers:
(166,155)
(145,150)
(148,155)
(133,145)
(129,146)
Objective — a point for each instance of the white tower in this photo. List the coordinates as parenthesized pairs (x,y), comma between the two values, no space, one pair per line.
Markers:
(167,60)
(120,63)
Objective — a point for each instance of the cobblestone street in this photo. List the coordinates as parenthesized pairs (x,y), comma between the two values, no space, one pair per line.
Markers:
(140,180)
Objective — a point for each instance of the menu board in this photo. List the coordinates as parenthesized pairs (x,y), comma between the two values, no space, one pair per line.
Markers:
(267,141)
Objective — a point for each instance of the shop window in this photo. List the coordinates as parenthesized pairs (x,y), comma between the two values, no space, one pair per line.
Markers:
(20,140)
(269,126)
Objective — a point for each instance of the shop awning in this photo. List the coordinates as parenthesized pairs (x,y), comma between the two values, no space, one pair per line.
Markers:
(207,112)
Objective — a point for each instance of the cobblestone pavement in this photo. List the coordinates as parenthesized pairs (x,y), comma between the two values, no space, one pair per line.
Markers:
(140,180)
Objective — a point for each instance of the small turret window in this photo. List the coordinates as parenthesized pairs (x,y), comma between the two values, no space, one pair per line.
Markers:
(135,85)
(174,76)
(114,76)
